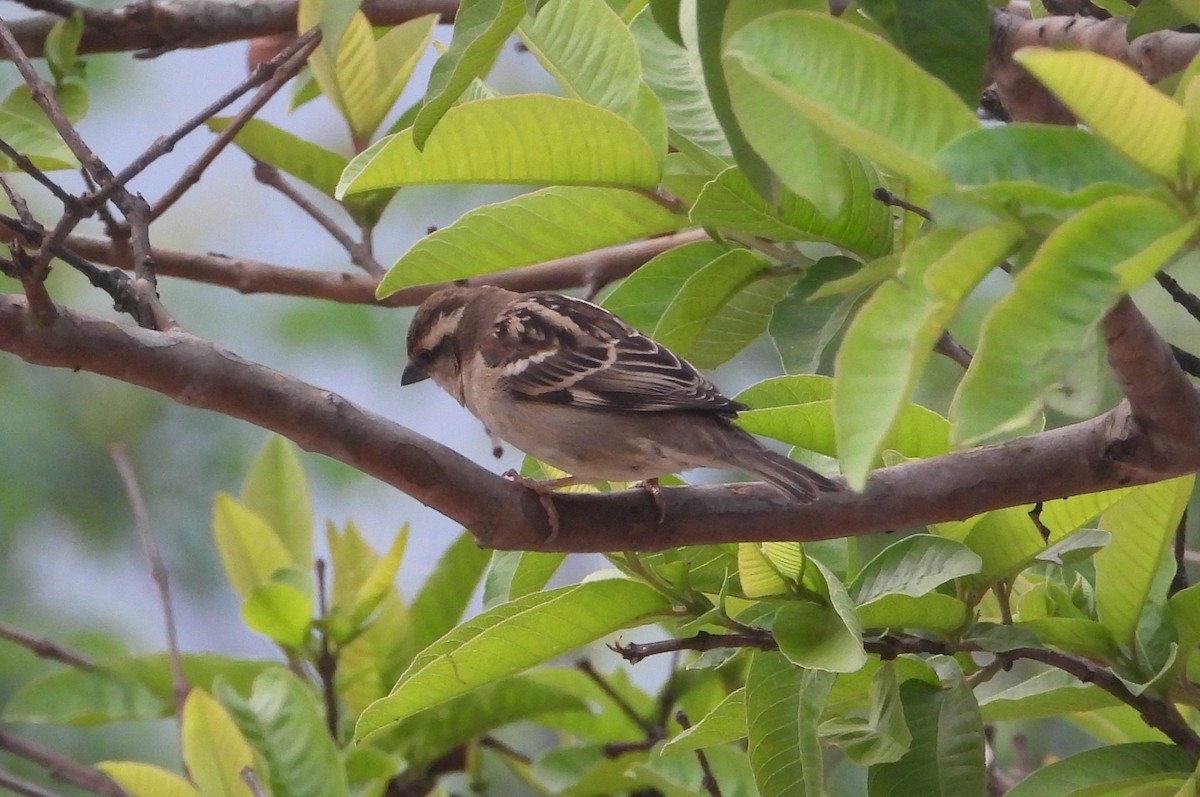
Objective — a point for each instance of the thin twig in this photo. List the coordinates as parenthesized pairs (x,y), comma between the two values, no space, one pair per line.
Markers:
(1180,580)
(19,205)
(62,768)
(245,275)
(947,346)
(360,254)
(585,666)
(888,198)
(43,95)
(158,570)
(327,662)
(709,781)
(1184,298)
(150,312)
(24,164)
(24,787)
(1161,715)
(271,75)
(504,749)
(45,648)
(250,777)
(1189,362)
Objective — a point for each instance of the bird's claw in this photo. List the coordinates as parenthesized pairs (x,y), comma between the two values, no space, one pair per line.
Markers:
(544,490)
(654,489)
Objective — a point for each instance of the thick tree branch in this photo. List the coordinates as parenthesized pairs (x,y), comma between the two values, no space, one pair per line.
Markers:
(158,26)
(1154,56)
(1109,451)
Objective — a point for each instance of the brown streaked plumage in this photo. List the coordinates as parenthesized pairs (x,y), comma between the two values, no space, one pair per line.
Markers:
(574,386)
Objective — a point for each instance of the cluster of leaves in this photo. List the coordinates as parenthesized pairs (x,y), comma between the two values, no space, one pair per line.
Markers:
(715,114)
(24,127)
(376,691)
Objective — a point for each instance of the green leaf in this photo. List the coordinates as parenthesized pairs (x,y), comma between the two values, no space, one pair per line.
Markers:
(1048,694)
(276,489)
(279,612)
(802,325)
(861,91)
(145,780)
(444,595)
(1075,635)
(1007,540)
(863,225)
(914,566)
(665,15)
(1143,526)
(883,736)
(703,28)
(934,611)
(758,576)
(308,162)
(334,17)
(509,638)
(783,707)
(674,74)
(214,751)
(481,27)
(891,339)
(601,68)
(249,548)
(379,581)
(1047,164)
(430,734)
(703,296)
(947,38)
(353,560)
(725,723)
(36,141)
(82,698)
(1183,610)
(1065,515)
(1116,103)
(1117,768)
(543,225)
(946,758)
(397,53)
(1057,300)
(62,48)
(514,574)
(821,636)
(643,296)
(528,139)
(122,688)
(282,721)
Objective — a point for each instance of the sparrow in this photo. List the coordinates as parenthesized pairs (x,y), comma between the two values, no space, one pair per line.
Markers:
(573,385)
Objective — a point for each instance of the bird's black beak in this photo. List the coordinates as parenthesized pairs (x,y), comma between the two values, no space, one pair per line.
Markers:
(413,372)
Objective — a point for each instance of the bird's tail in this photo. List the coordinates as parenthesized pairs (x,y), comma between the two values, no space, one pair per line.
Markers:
(800,483)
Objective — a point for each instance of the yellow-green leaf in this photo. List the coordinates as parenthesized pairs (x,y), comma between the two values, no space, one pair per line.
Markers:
(249,548)
(1115,102)
(213,748)
(145,780)
(1143,525)
(529,139)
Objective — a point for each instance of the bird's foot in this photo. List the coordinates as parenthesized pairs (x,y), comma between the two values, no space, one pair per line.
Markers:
(544,490)
(655,491)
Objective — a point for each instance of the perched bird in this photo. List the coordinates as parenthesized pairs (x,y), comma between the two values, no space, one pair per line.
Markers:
(571,384)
